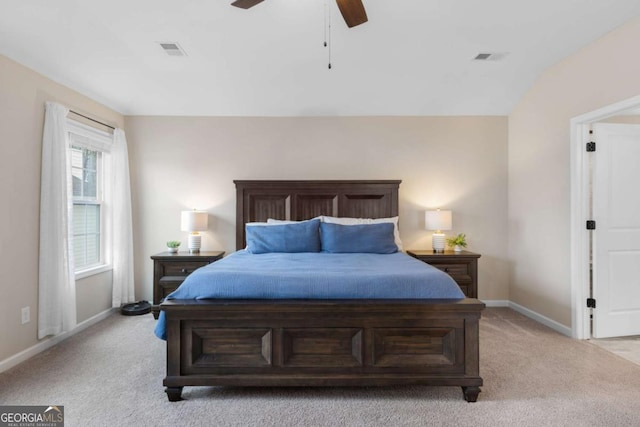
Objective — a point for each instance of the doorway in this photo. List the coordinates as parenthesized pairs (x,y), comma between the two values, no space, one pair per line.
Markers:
(581,210)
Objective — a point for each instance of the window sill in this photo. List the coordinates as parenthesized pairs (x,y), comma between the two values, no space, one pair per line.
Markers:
(92,271)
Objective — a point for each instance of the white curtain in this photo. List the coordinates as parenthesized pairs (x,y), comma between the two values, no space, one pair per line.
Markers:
(56,281)
(123,286)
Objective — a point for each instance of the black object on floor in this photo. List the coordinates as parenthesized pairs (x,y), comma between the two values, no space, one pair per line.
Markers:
(136,308)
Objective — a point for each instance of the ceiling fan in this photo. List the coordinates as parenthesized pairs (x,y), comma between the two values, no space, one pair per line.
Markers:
(352,10)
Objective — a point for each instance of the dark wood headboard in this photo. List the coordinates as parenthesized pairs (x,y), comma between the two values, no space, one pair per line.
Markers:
(256,201)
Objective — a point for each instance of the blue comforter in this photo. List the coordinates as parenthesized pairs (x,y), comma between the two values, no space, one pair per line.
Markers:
(242,275)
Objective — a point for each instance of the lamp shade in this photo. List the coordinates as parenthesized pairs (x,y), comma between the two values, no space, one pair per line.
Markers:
(194,220)
(438,220)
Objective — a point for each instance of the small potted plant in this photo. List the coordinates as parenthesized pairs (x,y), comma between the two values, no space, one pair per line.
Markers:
(173,245)
(457,242)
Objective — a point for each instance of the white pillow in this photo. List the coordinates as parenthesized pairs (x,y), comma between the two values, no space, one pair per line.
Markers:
(356,221)
(272,221)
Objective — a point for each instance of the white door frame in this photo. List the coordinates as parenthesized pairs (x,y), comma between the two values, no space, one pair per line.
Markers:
(581,325)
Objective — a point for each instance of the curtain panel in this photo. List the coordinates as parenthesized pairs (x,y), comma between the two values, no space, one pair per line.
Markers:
(56,280)
(123,285)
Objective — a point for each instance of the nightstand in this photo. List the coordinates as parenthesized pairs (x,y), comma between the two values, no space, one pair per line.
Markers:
(461,266)
(170,270)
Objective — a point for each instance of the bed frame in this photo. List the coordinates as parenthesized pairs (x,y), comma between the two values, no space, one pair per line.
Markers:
(320,342)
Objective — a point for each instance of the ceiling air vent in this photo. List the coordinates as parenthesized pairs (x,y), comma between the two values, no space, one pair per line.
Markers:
(482,56)
(486,56)
(172,49)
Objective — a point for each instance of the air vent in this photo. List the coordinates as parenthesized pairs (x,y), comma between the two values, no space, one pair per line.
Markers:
(172,49)
(482,56)
(490,56)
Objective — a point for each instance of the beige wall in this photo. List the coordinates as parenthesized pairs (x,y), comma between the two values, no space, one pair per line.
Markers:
(601,74)
(22,97)
(452,162)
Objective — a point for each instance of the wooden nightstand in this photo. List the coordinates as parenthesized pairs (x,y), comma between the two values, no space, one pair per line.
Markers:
(170,270)
(461,266)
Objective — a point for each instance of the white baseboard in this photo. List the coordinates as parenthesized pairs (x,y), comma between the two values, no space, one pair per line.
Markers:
(496,302)
(50,342)
(558,327)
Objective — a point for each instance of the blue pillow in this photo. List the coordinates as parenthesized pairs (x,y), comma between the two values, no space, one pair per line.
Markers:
(361,238)
(299,237)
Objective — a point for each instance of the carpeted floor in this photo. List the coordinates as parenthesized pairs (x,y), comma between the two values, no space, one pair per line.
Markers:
(111,375)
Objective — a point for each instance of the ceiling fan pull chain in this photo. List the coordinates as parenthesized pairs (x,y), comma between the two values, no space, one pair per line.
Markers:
(329,36)
(325,23)
(327,29)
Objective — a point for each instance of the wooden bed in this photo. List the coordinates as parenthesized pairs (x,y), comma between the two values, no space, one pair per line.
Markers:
(320,342)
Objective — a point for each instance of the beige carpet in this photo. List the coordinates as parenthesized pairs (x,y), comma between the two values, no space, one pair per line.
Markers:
(111,375)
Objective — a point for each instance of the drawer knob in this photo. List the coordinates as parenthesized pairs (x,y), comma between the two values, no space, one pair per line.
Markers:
(446,269)
(184,270)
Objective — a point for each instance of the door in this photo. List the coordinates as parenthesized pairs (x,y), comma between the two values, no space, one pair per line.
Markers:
(616,239)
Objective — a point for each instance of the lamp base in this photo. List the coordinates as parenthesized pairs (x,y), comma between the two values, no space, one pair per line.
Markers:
(194,243)
(438,242)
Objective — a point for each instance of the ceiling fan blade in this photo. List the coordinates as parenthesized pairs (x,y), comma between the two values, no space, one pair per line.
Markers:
(245,4)
(353,12)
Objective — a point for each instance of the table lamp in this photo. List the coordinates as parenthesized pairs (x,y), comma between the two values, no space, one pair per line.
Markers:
(439,221)
(194,221)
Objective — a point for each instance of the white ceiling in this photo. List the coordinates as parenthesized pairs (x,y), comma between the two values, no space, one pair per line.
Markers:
(413,57)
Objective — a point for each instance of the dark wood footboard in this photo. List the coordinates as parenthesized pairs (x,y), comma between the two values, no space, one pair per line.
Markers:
(322,343)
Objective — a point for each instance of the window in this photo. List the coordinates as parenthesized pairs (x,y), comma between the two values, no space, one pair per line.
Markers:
(87,207)
(89,167)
